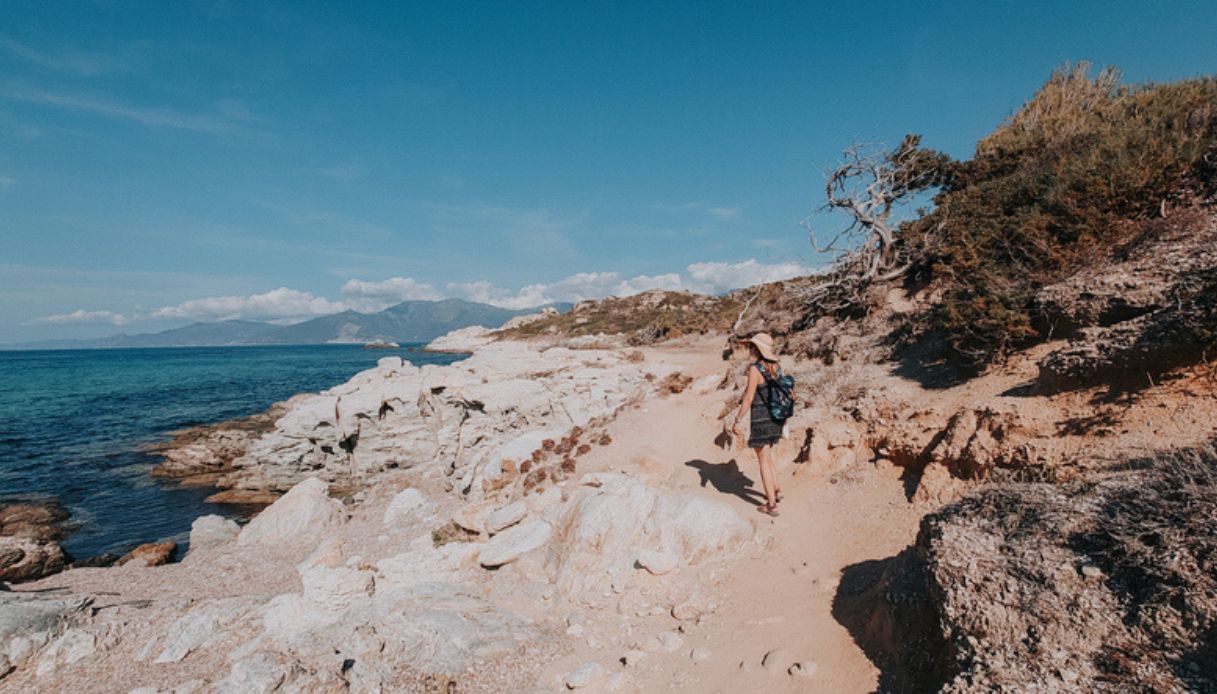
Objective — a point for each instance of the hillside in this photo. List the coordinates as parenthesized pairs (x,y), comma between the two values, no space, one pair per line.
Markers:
(409,321)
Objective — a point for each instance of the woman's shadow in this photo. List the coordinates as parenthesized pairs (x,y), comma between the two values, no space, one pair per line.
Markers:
(727,478)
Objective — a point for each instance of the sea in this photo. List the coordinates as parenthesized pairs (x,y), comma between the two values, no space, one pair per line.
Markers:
(74,425)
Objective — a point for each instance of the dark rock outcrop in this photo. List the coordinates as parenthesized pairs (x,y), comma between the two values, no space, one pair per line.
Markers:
(1144,314)
(29,540)
(1102,586)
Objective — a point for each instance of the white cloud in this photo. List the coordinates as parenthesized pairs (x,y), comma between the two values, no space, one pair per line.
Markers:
(704,278)
(375,296)
(716,278)
(723,213)
(578,287)
(83,316)
(276,304)
(284,304)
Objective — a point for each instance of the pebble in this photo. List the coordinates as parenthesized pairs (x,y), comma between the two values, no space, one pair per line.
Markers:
(619,681)
(633,657)
(587,674)
(669,641)
(574,630)
(700,654)
(1091,571)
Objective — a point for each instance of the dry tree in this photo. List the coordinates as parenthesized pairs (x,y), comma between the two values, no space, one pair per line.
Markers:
(870,185)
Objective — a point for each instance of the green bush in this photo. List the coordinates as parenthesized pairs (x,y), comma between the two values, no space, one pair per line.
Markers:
(1056,187)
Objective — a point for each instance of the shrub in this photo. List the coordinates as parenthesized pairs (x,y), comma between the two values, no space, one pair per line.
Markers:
(1052,190)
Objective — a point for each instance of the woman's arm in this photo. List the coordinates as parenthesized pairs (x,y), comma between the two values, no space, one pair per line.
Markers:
(754,379)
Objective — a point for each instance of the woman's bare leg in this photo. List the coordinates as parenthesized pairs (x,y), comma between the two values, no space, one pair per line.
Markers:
(768,478)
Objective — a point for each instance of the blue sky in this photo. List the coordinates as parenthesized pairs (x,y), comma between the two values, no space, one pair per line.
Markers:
(167,162)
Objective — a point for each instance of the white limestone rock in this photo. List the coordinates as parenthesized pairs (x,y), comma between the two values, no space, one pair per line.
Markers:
(211,530)
(506,516)
(336,588)
(29,622)
(656,562)
(409,506)
(305,512)
(198,628)
(258,674)
(467,339)
(611,519)
(514,542)
(585,676)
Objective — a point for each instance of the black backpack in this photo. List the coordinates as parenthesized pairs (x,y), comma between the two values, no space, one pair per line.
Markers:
(781,394)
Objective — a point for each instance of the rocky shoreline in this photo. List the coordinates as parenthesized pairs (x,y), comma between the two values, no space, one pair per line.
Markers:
(445,493)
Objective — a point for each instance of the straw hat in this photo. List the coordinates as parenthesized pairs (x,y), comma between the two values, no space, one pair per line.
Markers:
(764,345)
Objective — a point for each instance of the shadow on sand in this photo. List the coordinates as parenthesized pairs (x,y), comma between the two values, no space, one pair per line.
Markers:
(728,479)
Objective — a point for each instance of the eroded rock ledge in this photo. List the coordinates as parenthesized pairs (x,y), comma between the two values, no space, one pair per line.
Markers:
(475,422)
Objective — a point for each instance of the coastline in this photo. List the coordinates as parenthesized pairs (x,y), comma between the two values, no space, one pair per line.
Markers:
(538,517)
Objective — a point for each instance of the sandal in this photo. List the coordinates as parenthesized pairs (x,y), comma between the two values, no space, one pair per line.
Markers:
(768,510)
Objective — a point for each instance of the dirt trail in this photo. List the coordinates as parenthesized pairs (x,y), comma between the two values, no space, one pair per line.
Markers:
(779,592)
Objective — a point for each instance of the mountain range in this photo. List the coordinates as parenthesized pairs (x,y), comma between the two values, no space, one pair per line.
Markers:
(409,321)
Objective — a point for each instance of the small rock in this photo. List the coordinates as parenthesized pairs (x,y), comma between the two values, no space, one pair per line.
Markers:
(587,674)
(408,505)
(700,654)
(574,630)
(687,611)
(619,681)
(633,657)
(803,668)
(669,641)
(776,661)
(150,554)
(506,517)
(1091,571)
(658,563)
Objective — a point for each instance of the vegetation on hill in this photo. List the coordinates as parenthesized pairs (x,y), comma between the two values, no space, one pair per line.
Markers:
(644,318)
(1061,185)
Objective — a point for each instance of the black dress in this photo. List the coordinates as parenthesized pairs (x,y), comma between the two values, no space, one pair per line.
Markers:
(766,430)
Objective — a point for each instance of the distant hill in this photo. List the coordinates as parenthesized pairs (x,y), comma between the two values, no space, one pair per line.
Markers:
(409,321)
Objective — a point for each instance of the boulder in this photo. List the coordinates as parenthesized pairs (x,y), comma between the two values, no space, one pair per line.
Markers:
(25,559)
(75,646)
(149,554)
(211,530)
(42,521)
(514,542)
(408,506)
(28,622)
(305,512)
(612,518)
(506,516)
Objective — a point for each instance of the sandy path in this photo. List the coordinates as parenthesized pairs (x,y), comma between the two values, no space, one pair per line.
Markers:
(776,594)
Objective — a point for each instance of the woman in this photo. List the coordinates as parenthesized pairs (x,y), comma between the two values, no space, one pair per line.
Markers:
(765,431)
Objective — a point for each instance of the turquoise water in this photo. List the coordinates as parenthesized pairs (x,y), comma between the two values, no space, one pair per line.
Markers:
(72,425)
